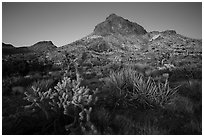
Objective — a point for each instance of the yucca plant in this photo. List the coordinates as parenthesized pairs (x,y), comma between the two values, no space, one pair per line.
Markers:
(153,93)
(165,94)
(131,88)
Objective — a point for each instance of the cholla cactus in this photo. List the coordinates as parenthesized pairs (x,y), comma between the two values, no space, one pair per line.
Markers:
(83,96)
(65,86)
(65,94)
(39,99)
(87,126)
(52,100)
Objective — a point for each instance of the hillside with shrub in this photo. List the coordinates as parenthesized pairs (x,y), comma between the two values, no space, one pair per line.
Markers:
(118,80)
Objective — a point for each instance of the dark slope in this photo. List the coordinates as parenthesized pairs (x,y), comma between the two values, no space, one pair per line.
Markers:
(8,49)
(39,47)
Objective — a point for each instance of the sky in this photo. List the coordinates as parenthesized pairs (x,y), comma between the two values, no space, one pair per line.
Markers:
(24,24)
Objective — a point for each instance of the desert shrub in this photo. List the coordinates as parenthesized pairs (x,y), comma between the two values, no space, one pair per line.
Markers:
(184,73)
(191,89)
(7,68)
(129,88)
(129,103)
(56,74)
(129,121)
(9,82)
(194,127)
(57,102)
(181,104)
(111,67)
(21,81)
(6,85)
(149,128)
(23,68)
(20,66)
(96,62)
(123,125)
(15,67)
(99,47)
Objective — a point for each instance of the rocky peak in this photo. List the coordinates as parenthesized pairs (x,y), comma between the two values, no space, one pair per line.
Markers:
(115,24)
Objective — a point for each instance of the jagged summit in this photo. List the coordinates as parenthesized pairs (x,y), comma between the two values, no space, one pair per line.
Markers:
(115,24)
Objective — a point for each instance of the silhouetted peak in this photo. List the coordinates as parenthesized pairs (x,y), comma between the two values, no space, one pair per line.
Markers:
(115,24)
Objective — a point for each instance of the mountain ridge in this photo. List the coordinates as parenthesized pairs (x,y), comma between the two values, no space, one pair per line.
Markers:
(126,44)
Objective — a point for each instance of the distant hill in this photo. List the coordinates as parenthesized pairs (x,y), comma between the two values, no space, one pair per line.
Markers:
(43,46)
(39,47)
(7,45)
(8,49)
